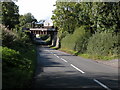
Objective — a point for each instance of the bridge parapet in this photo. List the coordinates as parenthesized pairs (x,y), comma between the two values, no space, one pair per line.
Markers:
(42,30)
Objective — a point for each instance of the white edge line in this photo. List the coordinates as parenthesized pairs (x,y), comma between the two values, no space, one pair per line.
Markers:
(64,60)
(101,84)
(77,68)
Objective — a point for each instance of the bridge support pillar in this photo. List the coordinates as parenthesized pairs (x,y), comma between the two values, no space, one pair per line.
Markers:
(54,39)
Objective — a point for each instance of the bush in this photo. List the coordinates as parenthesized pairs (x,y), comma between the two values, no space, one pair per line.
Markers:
(67,42)
(77,41)
(8,37)
(15,40)
(13,59)
(18,67)
(18,55)
(81,36)
(103,44)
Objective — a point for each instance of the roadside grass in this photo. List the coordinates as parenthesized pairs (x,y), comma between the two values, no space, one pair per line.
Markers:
(21,78)
(68,51)
(88,56)
(105,58)
(53,47)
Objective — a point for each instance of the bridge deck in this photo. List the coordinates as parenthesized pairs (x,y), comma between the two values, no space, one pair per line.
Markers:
(42,29)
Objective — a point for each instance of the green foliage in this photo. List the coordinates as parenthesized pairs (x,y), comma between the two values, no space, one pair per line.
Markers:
(26,20)
(67,42)
(106,17)
(18,55)
(13,59)
(100,16)
(86,55)
(14,40)
(0,13)
(77,41)
(8,37)
(65,16)
(18,67)
(102,20)
(103,44)
(81,35)
(10,15)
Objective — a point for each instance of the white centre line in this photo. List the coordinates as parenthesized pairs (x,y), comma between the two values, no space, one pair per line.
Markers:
(57,56)
(101,84)
(77,68)
(64,60)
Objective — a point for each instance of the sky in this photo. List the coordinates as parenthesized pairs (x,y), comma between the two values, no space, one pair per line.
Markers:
(40,9)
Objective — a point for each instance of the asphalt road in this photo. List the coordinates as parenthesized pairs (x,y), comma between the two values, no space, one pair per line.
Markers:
(56,69)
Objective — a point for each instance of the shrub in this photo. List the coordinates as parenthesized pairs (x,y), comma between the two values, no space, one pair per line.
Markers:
(8,37)
(76,41)
(13,59)
(103,44)
(82,35)
(68,42)
(15,40)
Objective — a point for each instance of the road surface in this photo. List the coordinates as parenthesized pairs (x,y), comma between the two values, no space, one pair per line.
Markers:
(57,69)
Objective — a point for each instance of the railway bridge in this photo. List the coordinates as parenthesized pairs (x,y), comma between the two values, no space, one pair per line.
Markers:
(52,32)
(43,31)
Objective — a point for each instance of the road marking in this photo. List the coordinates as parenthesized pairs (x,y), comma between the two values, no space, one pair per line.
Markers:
(57,56)
(77,68)
(64,60)
(101,84)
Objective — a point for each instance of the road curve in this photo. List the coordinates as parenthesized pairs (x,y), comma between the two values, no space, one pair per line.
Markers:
(56,69)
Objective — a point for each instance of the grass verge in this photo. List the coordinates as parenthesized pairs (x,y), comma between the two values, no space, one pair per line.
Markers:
(88,56)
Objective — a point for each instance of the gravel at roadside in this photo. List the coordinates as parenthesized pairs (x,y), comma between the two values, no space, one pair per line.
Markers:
(113,63)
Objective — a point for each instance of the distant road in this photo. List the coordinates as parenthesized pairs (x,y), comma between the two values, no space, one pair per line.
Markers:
(58,69)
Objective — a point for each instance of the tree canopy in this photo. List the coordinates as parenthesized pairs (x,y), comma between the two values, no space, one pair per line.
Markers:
(99,16)
(10,14)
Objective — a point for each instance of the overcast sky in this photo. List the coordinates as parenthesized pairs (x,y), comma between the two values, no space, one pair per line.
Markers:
(41,9)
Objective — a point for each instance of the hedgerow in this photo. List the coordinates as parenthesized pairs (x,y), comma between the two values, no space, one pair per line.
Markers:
(76,41)
(103,44)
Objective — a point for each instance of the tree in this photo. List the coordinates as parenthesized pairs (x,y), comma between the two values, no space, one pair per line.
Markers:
(27,18)
(10,15)
(66,17)
(95,16)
